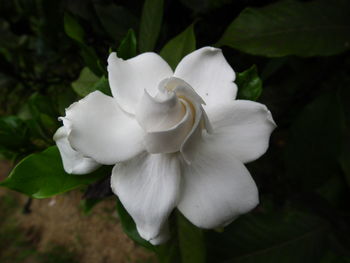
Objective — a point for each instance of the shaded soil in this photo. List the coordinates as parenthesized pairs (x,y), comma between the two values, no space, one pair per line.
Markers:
(60,221)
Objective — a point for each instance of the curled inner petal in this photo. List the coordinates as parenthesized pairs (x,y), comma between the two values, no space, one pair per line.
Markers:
(170,140)
(160,112)
(174,119)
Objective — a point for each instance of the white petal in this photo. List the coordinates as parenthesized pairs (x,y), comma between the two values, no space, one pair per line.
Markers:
(148,187)
(187,94)
(172,139)
(208,72)
(73,161)
(163,236)
(129,78)
(244,126)
(181,88)
(160,112)
(103,131)
(217,187)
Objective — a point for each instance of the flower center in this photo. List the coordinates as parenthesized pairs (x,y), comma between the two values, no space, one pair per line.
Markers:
(172,117)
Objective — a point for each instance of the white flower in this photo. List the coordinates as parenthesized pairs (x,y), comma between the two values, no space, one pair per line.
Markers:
(177,139)
(73,162)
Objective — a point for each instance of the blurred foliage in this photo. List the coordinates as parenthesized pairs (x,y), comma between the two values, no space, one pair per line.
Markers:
(54,52)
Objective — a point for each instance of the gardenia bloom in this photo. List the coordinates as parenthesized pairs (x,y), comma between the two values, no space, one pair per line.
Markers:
(177,139)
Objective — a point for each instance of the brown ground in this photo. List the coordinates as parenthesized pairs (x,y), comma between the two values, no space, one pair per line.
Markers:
(95,238)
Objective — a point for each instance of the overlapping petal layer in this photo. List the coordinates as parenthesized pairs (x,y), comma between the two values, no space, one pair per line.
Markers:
(148,187)
(100,129)
(129,78)
(73,161)
(242,125)
(217,187)
(208,72)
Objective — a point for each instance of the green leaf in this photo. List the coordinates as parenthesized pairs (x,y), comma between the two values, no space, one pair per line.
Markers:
(91,60)
(128,47)
(129,227)
(89,82)
(204,6)
(179,46)
(75,31)
(249,84)
(288,237)
(151,21)
(103,85)
(13,132)
(344,159)
(191,241)
(315,142)
(41,175)
(116,20)
(317,28)
(73,28)
(40,116)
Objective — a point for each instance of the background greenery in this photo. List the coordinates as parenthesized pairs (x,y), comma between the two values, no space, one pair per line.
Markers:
(292,56)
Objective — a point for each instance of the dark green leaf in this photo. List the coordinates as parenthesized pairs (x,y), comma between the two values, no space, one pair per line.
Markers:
(103,85)
(13,132)
(129,227)
(315,142)
(249,84)
(191,241)
(41,175)
(179,46)
(85,83)
(91,60)
(128,47)
(203,6)
(345,159)
(89,82)
(116,20)
(41,117)
(331,257)
(151,21)
(291,28)
(288,237)
(73,28)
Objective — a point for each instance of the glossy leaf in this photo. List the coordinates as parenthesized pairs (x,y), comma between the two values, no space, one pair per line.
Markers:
(179,46)
(41,175)
(73,28)
(316,28)
(151,21)
(89,82)
(249,84)
(288,237)
(128,46)
(315,142)
(91,60)
(191,241)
